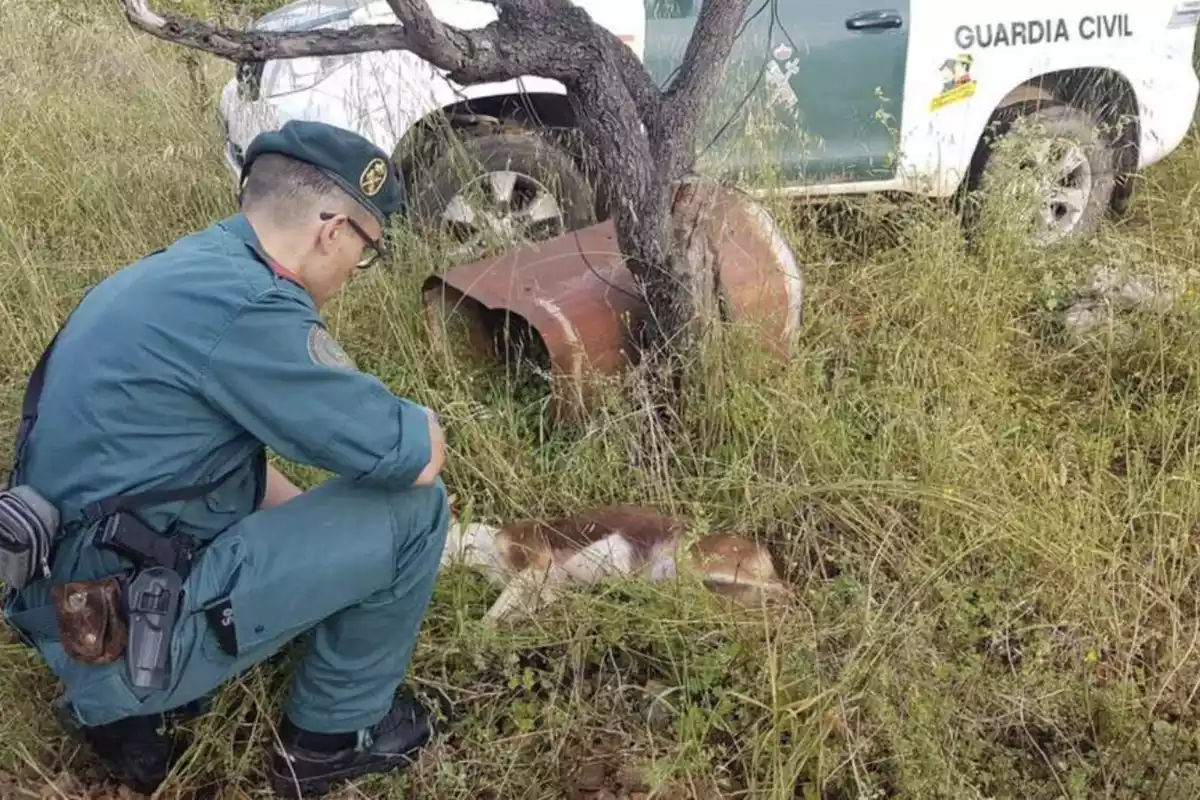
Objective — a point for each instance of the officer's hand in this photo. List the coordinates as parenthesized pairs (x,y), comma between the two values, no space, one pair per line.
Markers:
(437,449)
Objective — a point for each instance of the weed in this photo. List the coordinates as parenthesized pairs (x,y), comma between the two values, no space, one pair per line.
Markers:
(991,526)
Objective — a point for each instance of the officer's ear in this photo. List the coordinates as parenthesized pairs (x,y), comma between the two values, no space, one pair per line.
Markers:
(333,227)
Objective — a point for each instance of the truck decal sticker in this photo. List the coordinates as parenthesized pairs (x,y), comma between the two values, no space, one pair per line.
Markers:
(957,82)
(779,81)
(1037,31)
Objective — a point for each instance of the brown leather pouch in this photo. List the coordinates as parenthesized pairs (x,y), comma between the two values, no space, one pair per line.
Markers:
(91,627)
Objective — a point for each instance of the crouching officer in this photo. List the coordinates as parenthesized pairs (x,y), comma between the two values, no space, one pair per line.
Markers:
(183,558)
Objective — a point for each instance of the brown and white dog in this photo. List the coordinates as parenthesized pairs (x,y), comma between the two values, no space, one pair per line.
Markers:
(535,561)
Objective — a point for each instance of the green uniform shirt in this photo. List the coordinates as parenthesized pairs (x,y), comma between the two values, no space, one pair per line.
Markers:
(180,368)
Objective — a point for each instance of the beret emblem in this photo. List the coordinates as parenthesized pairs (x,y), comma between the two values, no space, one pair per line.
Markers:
(373,177)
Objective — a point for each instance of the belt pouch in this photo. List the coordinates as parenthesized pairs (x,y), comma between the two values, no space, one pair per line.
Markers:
(91,626)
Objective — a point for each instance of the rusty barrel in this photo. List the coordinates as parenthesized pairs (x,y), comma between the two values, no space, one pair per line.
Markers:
(576,294)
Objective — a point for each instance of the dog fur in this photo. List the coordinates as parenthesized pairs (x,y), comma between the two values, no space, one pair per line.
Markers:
(535,561)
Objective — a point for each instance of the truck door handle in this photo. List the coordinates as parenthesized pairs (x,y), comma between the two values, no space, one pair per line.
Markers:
(880,19)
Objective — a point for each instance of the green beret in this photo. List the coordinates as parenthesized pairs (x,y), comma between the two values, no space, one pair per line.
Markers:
(354,163)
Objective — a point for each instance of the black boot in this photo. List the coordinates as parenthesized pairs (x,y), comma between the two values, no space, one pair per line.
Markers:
(310,765)
(135,751)
(139,752)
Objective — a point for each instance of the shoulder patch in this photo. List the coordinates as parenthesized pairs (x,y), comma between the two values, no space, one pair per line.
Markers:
(324,349)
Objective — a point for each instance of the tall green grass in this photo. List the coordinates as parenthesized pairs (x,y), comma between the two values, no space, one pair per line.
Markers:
(991,526)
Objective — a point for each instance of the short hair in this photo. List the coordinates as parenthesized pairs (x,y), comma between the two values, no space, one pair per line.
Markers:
(286,190)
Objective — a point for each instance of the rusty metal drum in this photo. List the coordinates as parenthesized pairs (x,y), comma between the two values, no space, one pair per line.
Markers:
(577,302)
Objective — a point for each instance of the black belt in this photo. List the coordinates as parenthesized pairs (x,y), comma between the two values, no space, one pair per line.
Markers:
(137,543)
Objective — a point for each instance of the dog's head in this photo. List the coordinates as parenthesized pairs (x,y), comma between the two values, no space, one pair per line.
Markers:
(740,567)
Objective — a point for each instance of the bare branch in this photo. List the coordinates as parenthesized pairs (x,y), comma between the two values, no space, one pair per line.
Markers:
(544,58)
(703,61)
(237,45)
(468,56)
(438,44)
(645,94)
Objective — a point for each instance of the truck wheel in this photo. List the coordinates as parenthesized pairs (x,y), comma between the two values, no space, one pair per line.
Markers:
(491,191)
(1066,166)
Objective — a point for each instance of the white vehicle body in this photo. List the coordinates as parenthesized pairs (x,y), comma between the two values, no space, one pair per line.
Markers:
(1020,51)
(382,95)
(1149,43)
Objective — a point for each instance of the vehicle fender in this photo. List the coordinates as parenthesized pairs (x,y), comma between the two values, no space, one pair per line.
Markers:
(410,89)
(941,131)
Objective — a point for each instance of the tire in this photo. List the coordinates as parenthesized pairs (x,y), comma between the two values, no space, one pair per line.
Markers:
(1082,182)
(460,190)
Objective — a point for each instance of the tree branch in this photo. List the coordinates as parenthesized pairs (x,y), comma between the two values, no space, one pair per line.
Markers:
(237,45)
(562,47)
(439,44)
(703,61)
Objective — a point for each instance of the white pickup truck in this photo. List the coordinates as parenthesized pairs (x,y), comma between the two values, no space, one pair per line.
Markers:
(819,97)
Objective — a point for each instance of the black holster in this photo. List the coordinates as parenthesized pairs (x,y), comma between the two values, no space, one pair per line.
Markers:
(152,595)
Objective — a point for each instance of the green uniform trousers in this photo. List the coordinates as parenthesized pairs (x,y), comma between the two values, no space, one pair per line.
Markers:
(350,563)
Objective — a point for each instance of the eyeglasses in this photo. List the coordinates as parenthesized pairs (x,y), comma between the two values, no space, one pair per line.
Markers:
(375,247)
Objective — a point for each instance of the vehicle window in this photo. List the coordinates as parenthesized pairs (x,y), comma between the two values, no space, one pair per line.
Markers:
(670,9)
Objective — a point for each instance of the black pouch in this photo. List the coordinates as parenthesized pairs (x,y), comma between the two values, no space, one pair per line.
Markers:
(29,526)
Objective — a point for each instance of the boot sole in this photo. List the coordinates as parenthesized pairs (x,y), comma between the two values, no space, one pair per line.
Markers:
(286,785)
